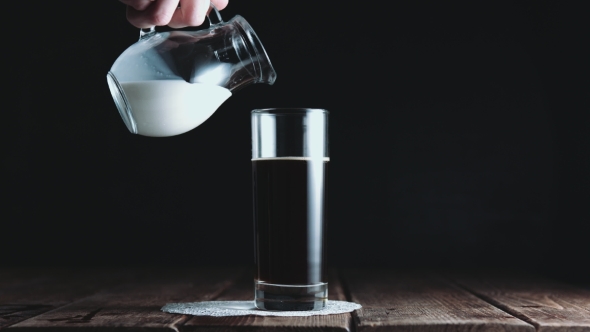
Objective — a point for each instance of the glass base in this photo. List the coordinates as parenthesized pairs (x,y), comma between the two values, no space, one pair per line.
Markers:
(290,297)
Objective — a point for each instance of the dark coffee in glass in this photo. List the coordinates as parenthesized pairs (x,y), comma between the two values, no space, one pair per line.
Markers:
(289,172)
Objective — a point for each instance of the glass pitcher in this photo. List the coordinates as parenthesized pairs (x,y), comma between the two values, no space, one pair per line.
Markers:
(168,83)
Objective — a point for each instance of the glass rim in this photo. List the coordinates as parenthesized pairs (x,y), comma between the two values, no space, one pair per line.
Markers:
(289,110)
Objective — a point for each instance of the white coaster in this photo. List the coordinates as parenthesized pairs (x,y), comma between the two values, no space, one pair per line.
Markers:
(243,308)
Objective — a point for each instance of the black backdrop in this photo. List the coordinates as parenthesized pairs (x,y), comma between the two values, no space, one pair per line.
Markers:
(459,138)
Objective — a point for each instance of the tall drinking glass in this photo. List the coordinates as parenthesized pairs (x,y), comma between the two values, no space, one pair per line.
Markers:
(289,175)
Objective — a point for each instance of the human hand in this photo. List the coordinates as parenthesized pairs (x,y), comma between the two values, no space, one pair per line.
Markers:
(174,13)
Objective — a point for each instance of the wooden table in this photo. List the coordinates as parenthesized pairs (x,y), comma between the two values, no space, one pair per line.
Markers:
(130,300)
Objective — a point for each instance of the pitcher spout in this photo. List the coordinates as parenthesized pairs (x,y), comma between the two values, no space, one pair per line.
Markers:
(255,63)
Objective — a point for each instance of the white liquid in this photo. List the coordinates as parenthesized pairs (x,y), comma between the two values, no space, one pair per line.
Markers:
(168,108)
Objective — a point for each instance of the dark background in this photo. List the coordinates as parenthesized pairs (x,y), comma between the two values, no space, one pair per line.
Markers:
(459,138)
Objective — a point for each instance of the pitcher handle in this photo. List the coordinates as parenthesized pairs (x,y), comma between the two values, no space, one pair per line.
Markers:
(213,23)
(146,33)
(217,17)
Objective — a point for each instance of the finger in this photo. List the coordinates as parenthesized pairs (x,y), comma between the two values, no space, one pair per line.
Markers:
(190,13)
(158,13)
(140,5)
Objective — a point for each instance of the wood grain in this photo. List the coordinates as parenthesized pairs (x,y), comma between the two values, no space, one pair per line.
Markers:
(550,306)
(26,293)
(130,300)
(244,290)
(135,305)
(422,302)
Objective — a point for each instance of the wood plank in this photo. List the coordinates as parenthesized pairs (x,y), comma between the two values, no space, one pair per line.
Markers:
(422,301)
(244,290)
(135,305)
(15,307)
(550,306)
(26,293)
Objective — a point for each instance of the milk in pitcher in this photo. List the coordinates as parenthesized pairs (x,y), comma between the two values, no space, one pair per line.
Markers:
(172,107)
